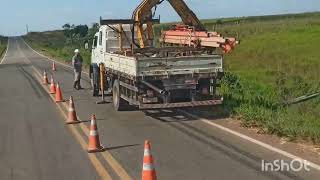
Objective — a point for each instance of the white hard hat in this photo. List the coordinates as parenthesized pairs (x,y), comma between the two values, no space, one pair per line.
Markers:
(76,51)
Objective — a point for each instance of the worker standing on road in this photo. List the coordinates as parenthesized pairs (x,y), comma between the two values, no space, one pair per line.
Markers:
(77,67)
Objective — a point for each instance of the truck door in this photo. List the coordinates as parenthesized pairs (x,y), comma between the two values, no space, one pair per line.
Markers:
(98,51)
(94,49)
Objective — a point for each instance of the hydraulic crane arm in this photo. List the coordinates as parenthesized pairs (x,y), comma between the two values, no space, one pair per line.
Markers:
(188,17)
(143,13)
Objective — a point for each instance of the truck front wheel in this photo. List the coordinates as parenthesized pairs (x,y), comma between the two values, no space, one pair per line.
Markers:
(118,103)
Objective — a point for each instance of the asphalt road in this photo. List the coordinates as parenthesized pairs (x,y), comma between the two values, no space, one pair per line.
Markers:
(36,144)
(33,143)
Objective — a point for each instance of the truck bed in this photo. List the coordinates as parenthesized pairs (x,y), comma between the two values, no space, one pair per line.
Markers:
(154,66)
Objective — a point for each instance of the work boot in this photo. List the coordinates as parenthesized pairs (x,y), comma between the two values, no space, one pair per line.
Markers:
(75,85)
(79,85)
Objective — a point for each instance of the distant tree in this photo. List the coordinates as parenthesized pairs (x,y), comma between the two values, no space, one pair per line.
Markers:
(66,26)
(95,27)
(92,31)
(80,34)
(67,30)
(219,21)
(81,30)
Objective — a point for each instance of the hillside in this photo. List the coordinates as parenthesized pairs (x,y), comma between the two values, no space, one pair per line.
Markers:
(277,60)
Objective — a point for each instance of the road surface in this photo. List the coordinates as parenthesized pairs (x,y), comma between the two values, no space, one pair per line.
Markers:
(33,143)
(36,144)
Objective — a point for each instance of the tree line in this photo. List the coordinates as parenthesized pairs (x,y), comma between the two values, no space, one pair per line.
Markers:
(79,33)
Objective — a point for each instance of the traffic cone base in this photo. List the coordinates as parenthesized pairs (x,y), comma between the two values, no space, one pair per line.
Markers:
(72,115)
(45,81)
(45,78)
(58,94)
(94,141)
(73,122)
(97,149)
(52,89)
(52,86)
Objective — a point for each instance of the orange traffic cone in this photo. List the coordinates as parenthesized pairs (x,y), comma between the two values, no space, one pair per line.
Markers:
(148,170)
(59,97)
(94,141)
(72,115)
(52,86)
(45,78)
(54,66)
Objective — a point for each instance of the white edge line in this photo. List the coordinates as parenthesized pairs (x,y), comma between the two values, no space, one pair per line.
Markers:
(257,142)
(262,144)
(65,65)
(5,54)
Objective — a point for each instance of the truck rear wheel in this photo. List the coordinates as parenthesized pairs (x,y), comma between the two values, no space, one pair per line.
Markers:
(118,103)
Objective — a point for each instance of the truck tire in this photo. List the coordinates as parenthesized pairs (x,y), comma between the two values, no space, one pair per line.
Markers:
(118,103)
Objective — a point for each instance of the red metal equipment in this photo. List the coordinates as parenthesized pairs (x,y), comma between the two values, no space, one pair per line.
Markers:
(183,35)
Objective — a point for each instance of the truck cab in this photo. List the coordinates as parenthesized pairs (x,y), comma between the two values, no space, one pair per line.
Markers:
(106,40)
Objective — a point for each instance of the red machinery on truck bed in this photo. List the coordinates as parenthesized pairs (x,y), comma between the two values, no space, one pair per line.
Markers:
(192,33)
(186,36)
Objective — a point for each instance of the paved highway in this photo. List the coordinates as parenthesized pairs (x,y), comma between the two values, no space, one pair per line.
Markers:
(36,144)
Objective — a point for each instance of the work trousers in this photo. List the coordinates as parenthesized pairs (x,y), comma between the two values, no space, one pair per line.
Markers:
(77,78)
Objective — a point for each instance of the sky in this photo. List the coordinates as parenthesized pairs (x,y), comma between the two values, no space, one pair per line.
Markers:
(42,15)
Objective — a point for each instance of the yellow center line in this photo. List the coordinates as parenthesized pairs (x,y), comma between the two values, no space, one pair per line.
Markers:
(92,157)
(120,171)
(110,159)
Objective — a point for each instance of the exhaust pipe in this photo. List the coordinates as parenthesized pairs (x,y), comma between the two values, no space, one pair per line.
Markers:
(158,90)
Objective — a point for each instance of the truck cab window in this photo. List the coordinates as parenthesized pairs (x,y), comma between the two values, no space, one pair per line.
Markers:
(100,38)
(95,42)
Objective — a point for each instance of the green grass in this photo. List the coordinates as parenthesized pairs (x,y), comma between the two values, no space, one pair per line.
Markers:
(278,59)
(3,45)
(56,45)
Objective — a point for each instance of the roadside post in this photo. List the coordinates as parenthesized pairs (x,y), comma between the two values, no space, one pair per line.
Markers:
(102,83)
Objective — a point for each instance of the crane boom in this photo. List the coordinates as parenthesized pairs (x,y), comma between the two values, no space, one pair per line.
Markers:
(188,17)
(143,13)
(193,33)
